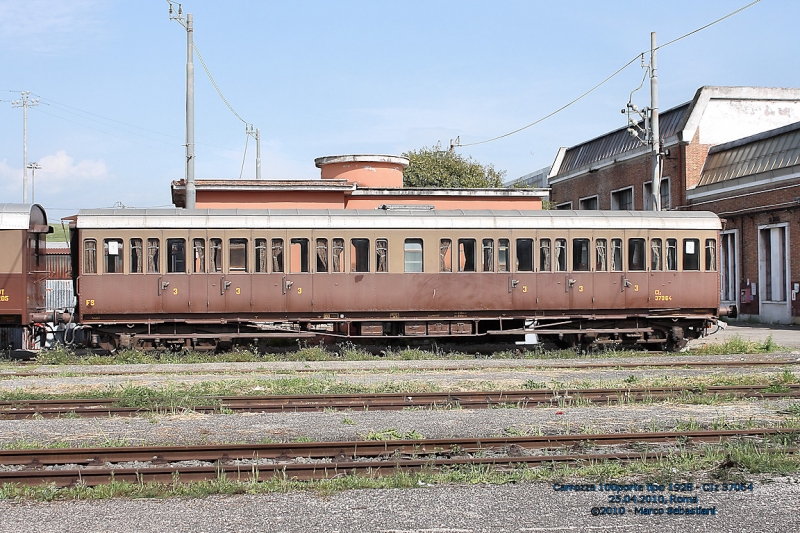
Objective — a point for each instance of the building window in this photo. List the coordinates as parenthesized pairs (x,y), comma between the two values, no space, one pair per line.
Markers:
(322,255)
(137,265)
(445,255)
(524,255)
(176,248)
(412,255)
(262,257)
(728,266)
(663,193)
(298,255)
(153,249)
(502,255)
(691,254)
(622,200)
(237,255)
(601,255)
(381,255)
(772,257)
(565,205)
(588,204)
(359,255)
(488,255)
(277,255)
(636,254)
(466,255)
(647,196)
(616,255)
(199,255)
(580,255)
(665,196)
(89,256)
(656,256)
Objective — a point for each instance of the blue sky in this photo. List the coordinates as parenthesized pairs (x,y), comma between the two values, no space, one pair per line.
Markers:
(325,78)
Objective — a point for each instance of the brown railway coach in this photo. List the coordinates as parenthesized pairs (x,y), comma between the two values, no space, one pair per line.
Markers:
(23,229)
(211,278)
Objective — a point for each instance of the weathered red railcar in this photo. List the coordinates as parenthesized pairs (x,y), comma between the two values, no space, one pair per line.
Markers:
(23,229)
(211,278)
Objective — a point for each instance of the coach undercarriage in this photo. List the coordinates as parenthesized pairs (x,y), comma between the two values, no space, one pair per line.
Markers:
(587,332)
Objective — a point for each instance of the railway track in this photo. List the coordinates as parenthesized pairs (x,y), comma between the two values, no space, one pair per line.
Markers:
(104,407)
(320,460)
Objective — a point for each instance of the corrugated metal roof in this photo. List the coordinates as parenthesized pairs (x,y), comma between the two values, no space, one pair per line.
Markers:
(768,151)
(395,219)
(619,141)
(21,216)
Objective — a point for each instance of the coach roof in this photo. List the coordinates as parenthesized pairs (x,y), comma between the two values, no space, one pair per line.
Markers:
(394,219)
(23,216)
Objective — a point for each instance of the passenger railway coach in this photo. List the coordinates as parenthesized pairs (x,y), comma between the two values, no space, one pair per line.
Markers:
(211,278)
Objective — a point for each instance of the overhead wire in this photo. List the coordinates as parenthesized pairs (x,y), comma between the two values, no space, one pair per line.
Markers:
(754,2)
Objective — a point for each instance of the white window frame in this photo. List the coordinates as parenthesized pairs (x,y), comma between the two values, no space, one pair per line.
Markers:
(774,310)
(564,205)
(725,270)
(581,200)
(615,191)
(665,181)
(647,200)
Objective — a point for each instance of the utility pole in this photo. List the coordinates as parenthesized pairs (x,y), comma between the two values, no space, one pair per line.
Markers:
(655,139)
(25,102)
(256,133)
(191,192)
(34,166)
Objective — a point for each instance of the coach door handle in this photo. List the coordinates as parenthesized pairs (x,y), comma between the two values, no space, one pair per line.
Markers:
(512,284)
(625,283)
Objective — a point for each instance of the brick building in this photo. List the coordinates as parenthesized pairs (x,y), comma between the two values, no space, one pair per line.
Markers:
(613,171)
(753,184)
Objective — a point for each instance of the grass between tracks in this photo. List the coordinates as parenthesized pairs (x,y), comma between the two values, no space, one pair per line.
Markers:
(734,462)
(351,352)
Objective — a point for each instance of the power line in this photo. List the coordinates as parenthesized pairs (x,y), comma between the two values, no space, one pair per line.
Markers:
(608,78)
(214,83)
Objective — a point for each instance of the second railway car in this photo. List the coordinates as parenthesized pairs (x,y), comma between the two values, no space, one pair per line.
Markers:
(161,279)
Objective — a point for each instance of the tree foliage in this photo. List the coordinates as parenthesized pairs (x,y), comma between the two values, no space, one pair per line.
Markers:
(429,167)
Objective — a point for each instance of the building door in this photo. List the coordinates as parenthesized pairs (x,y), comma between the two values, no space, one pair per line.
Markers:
(773,269)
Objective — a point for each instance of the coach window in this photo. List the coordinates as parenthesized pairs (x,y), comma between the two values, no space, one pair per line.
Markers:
(237,255)
(381,255)
(616,255)
(445,255)
(561,255)
(412,258)
(711,255)
(580,255)
(656,256)
(136,256)
(215,255)
(153,249)
(298,255)
(503,249)
(337,255)
(636,254)
(176,258)
(544,255)
(277,255)
(89,256)
(359,255)
(112,256)
(488,255)
(261,255)
(466,255)
(322,255)
(691,254)
(601,255)
(198,256)
(672,254)
(524,255)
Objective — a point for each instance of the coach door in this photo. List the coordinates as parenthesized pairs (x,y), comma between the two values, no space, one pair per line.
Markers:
(173,283)
(269,276)
(636,266)
(298,286)
(215,274)
(197,269)
(609,275)
(237,282)
(552,280)
(522,278)
(580,280)
(663,259)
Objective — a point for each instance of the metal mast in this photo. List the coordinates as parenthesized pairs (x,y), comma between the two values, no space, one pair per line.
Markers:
(25,103)
(654,125)
(187,23)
